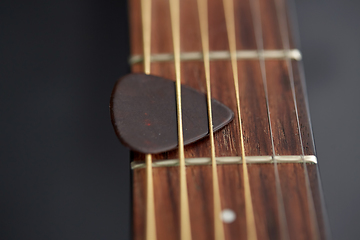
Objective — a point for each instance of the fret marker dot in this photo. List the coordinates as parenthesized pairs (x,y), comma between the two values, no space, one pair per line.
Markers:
(228,216)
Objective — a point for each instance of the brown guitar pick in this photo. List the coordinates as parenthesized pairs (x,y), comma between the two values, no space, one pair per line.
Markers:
(143,113)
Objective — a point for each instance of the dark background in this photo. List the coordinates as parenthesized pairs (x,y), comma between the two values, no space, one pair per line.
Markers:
(63,173)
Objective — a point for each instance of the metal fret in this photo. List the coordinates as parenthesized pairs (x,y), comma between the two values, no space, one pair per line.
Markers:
(220,55)
(229,160)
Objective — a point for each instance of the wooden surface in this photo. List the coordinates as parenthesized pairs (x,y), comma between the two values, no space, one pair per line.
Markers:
(255,129)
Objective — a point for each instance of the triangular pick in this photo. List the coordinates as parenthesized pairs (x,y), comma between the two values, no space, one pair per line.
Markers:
(143,113)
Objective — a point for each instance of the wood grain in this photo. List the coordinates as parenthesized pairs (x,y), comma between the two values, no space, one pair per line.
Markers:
(255,129)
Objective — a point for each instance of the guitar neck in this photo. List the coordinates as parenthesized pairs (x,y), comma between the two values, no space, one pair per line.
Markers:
(279,153)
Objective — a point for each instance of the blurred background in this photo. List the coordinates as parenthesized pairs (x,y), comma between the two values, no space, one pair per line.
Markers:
(64,174)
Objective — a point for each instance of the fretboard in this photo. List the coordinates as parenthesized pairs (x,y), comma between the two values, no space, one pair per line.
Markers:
(278,143)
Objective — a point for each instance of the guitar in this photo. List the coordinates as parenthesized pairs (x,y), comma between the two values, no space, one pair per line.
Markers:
(256,178)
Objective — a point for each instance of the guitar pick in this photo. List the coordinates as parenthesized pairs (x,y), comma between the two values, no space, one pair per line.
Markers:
(143,113)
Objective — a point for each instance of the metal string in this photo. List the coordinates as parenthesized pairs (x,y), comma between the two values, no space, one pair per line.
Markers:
(185,226)
(255,9)
(204,29)
(230,26)
(150,204)
(282,19)
(146,28)
(293,19)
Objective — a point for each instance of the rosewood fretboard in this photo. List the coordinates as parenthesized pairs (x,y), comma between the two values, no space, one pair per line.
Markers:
(304,215)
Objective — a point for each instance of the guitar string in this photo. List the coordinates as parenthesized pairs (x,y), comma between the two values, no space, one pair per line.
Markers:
(203,19)
(324,216)
(150,203)
(255,10)
(293,20)
(185,227)
(230,26)
(282,19)
(146,27)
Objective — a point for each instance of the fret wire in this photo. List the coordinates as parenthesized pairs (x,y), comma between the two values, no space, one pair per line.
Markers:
(230,26)
(229,160)
(150,203)
(185,227)
(282,19)
(219,55)
(255,9)
(203,19)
